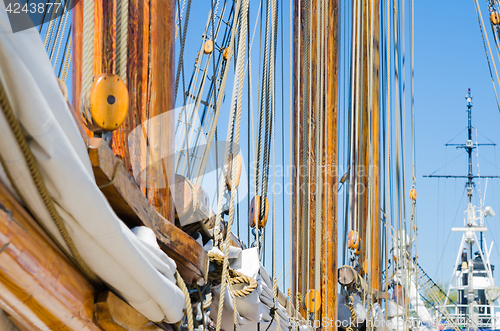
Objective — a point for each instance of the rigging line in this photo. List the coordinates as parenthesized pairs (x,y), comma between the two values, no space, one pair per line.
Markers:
(352,119)
(305,124)
(403,116)
(66,52)
(413,92)
(388,165)
(282,141)
(67,64)
(491,141)
(43,16)
(53,38)
(489,162)
(253,132)
(179,16)
(347,124)
(483,34)
(456,136)
(296,144)
(88,46)
(449,233)
(263,100)
(59,44)
(48,32)
(447,163)
(319,157)
(218,103)
(249,138)
(180,65)
(122,38)
(291,143)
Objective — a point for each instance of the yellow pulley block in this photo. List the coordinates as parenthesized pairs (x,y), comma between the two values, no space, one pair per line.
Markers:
(254,215)
(312,301)
(208,47)
(413,194)
(107,102)
(227,53)
(358,249)
(494,18)
(352,240)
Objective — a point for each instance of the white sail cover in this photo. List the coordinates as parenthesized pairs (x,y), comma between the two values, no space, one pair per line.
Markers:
(255,308)
(141,274)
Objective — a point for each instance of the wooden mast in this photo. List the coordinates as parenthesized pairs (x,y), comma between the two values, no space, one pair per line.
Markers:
(150,82)
(367,163)
(371,112)
(304,99)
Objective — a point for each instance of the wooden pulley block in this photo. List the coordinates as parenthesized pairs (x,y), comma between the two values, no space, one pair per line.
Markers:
(352,240)
(494,18)
(106,103)
(192,203)
(228,168)
(413,194)
(254,215)
(347,275)
(226,53)
(208,47)
(312,301)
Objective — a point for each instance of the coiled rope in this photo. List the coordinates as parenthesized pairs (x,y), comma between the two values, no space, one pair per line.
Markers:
(236,277)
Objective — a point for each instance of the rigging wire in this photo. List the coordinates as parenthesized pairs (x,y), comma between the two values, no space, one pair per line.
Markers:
(483,34)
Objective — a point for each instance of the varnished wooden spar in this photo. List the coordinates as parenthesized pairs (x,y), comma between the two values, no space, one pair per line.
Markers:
(134,209)
(39,287)
(41,290)
(112,315)
(330,264)
(150,80)
(328,221)
(367,167)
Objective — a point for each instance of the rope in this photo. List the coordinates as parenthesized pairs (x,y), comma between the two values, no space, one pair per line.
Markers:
(187,298)
(122,38)
(48,33)
(67,63)
(236,112)
(115,175)
(66,55)
(305,200)
(236,277)
(40,185)
(88,47)
(290,152)
(480,19)
(180,65)
(66,7)
(354,317)
(319,154)
(218,105)
(388,164)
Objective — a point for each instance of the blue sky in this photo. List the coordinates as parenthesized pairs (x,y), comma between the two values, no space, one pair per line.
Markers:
(449,59)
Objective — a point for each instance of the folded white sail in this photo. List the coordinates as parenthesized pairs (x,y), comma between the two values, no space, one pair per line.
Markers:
(140,274)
